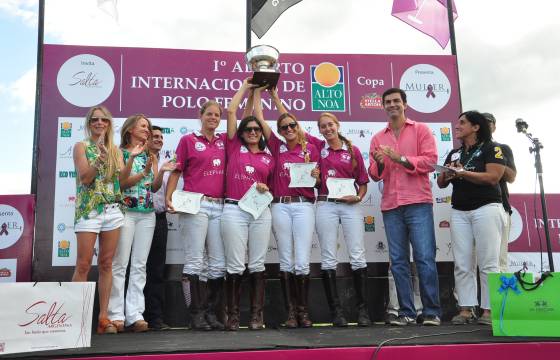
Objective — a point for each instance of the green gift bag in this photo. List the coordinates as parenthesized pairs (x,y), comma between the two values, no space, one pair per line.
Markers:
(521,307)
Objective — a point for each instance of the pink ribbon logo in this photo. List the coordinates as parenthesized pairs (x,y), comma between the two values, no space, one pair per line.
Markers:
(430,92)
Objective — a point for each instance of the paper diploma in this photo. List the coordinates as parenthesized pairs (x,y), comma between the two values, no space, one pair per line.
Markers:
(340,187)
(254,202)
(442,169)
(300,175)
(186,201)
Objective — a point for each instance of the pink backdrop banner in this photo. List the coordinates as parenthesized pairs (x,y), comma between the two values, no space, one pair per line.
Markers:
(17,221)
(528,224)
(172,84)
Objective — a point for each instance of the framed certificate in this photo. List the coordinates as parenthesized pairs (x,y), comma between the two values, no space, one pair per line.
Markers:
(340,187)
(300,175)
(254,202)
(186,201)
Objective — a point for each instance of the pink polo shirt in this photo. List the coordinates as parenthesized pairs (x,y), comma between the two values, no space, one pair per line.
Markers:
(402,186)
(338,164)
(244,168)
(203,163)
(283,157)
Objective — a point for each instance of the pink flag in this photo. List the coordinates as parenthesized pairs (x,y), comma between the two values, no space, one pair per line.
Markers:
(428,16)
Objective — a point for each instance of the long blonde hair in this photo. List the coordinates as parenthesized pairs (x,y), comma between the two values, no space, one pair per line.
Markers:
(113,152)
(300,135)
(129,123)
(342,138)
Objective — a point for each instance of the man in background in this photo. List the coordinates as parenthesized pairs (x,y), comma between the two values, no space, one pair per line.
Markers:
(154,291)
(508,177)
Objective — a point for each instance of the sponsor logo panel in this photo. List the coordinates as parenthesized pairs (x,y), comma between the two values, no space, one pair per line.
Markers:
(327,88)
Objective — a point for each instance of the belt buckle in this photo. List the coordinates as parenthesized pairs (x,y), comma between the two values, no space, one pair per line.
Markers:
(285,199)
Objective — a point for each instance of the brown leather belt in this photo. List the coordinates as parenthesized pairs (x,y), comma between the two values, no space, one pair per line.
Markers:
(292,199)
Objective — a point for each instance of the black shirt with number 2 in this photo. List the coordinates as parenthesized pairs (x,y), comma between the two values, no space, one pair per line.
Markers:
(467,195)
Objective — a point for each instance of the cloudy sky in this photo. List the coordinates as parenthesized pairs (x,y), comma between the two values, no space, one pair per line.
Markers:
(508,53)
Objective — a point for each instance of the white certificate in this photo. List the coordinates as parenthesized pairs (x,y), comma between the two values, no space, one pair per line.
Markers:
(340,187)
(300,175)
(442,169)
(186,201)
(254,202)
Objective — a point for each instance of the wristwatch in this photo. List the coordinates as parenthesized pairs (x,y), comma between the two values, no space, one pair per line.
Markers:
(460,172)
(403,159)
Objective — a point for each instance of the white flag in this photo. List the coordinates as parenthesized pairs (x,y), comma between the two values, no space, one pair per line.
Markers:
(109,7)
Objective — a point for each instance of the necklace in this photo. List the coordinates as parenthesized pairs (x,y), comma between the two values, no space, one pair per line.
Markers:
(473,155)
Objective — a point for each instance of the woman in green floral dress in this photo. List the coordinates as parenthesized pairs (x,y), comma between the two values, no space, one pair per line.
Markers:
(138,181)
(98,163)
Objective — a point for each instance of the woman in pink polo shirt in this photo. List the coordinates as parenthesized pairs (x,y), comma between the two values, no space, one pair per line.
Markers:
(249,162)
(340,159)
(293,209)
(201,158)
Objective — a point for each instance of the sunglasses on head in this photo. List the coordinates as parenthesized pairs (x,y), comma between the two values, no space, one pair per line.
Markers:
(96,119)
(250,129)
(291,125)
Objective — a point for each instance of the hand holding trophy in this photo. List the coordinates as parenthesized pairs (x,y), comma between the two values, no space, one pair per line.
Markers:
(263,60)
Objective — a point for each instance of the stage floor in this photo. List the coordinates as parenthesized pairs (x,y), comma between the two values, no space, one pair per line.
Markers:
(184,341)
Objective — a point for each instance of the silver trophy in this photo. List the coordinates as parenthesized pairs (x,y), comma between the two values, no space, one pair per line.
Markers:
(263,60)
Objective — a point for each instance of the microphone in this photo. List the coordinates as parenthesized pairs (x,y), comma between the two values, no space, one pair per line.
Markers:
(521,125)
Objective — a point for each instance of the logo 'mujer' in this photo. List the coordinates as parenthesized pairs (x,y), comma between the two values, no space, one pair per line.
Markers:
(327,87)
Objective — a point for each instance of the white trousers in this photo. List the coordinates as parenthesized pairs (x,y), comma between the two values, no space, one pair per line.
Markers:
(199,232)
(329,216)
(476,232)
(134,244)
(504,266)
(240,233)
(293,225)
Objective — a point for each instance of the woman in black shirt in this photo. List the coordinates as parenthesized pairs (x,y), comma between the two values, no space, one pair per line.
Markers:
(477,215)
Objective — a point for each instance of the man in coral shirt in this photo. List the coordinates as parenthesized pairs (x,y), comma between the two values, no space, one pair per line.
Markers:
(402,155)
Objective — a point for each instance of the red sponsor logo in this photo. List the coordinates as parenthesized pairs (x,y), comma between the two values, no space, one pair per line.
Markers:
(371,101)
(41,313)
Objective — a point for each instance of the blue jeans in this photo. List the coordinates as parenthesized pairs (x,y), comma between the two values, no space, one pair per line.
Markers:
(413,224)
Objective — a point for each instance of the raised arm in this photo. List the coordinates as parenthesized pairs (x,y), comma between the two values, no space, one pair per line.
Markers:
(259,113)
(158,179)
(248,111)
(125,178)
(232,108)
(86,172)
(277,102)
